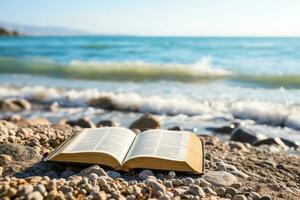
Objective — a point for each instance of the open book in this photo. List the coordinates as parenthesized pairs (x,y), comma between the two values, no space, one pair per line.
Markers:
(122,149)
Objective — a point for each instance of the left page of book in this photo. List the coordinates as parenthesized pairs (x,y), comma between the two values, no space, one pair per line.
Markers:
(111,140)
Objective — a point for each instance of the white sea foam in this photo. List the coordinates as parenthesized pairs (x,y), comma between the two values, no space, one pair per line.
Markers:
(262,112)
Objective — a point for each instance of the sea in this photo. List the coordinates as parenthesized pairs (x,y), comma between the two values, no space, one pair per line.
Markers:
(197,83)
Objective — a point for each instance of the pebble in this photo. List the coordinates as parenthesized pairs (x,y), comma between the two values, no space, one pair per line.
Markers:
(11,192)
(143,175)
(232,191)
(221,191)
(93,169)
(27,189)
(177,182)
(168,183)
(156,187)
(254,195)
(114,174)
(210,191)
(266,198)
(188,181)
(66,189)
(34,196)
(40,188)
(239,197)
(196,190)
(220,178)
(171,175)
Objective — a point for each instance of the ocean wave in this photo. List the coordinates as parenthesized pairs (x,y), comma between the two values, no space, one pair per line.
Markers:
(115,71)
(139,71)
(262,112)
(284,80)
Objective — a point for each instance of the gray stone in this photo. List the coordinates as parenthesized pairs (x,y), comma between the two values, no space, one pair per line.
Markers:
(143,175)
(220,178)
(40,187)
(156,187)
(254,195)
(93,176)
(188,181)
(168,183)
(239,197)
(114,174)
(242,134)
(107,123)
(220,191)
(239,174)
(93,169)
(177,182)
(196,190)
(204,183)
(82,122)
(209,191)
(266,198)
(232,191)
(66,189)
(239,146)
(271,141)
(171,174)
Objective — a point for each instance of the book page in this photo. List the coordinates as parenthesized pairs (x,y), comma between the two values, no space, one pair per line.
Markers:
(172,145)
(111,140)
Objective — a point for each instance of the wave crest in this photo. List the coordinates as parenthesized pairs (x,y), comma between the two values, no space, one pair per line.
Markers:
(262,112)
(116,71)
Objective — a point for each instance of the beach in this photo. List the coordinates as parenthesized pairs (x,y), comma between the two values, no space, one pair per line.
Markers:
(239,95)
(233,170)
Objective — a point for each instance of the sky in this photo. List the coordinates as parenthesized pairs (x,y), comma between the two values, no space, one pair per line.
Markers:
(160,17)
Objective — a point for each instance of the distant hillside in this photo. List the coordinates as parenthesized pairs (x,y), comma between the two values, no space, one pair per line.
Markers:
(5,32)
(40,31)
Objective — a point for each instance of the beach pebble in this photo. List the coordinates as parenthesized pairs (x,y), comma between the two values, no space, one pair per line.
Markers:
(230,190)
(145,174)
(188,181)
(40,188)
(145,122)
(156,187)
(34,196)
(239,197)
(220,178)
(93,169)
(239,146)
(11,192)
(171,174)
(26,189)
(107,123)
(254,195)
(177,182)
(82,122)
(242,134)
(196,190)
(271,141)
(14,105)
(220,191)
(209,191)
(266,198)
(5,159)
(168,183)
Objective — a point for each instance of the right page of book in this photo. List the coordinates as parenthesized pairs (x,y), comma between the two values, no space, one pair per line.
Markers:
(161,144)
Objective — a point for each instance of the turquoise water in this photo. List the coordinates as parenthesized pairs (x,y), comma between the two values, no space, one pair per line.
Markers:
(193,79)
(268,61)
